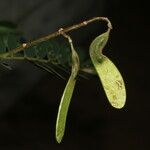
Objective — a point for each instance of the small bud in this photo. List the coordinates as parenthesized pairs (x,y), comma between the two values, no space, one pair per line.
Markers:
(24,45)
(85,23)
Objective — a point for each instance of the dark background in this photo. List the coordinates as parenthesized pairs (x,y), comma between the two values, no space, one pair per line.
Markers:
(29,97)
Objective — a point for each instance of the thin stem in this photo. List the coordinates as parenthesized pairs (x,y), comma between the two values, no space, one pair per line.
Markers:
(55,34)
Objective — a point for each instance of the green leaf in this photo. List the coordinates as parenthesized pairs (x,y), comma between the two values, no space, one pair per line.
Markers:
(8,27)
(108,73)
(2,45)
(66,97)
(50,52)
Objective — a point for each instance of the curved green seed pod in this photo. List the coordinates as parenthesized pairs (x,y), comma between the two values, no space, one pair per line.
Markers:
(109,75)
(66,97)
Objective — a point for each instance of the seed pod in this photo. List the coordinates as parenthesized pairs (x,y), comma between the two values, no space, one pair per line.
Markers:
(66,97)
(108,73)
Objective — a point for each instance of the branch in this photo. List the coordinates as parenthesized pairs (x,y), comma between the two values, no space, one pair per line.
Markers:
(55,34)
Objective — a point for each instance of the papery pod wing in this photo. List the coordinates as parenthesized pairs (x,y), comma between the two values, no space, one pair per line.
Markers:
(66,97)
(108,73)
